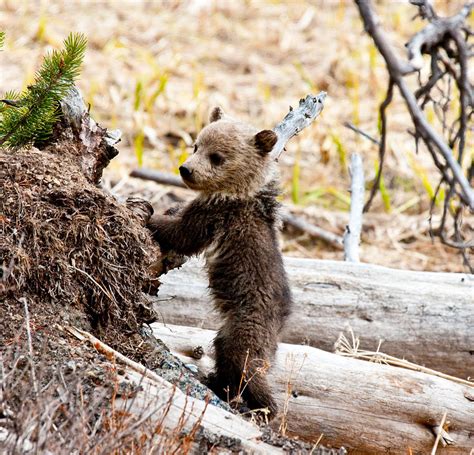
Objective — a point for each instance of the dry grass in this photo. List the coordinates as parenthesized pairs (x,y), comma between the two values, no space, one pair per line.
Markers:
(70,247)
(84,405)
(153,69)
(351,348)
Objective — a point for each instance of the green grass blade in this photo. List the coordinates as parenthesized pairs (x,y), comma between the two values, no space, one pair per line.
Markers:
(138,146)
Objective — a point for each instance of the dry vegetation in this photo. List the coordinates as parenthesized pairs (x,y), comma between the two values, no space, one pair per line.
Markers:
(153,69)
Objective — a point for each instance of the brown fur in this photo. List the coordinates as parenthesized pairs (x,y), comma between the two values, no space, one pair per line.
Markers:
(234,220)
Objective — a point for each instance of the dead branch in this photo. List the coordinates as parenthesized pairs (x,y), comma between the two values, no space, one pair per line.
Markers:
(352,234)
(443,40)
(430,36)
(296,120)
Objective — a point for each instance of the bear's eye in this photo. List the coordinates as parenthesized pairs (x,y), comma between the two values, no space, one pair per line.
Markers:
(195,148)
(216,159)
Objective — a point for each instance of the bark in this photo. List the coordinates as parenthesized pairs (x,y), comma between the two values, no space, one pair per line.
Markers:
(366,407)
(95,145)
(423,317)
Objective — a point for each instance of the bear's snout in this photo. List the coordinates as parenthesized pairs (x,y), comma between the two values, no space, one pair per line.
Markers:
(185,172)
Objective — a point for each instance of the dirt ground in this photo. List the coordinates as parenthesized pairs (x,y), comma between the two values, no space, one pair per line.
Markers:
(154,70)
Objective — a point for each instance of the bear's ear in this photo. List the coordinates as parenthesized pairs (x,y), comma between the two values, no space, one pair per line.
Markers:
(216,114)
(265,140)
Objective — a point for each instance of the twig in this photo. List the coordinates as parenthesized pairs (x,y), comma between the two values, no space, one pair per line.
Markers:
(438,434)
(30,345)
(296,120)
(352,234)
(289,219)
(362,133)
(382,143)
(112,353)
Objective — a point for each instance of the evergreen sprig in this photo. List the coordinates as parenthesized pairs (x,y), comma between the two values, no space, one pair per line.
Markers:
(2,39)
(31,115)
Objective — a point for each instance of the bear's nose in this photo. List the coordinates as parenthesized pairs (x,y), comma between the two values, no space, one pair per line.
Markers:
(185,172)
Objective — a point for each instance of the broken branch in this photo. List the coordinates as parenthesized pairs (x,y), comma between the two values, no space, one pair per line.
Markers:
(352,234)
(296,120)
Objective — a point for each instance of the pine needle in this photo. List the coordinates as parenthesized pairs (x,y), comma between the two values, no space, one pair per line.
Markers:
(2,39)
(33,115)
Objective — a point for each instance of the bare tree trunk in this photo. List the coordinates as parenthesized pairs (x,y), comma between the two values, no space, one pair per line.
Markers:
(427,318)
(366,407)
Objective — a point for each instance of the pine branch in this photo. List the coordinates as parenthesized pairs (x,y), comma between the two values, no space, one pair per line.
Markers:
(11,99)
(32,115)
(2,39)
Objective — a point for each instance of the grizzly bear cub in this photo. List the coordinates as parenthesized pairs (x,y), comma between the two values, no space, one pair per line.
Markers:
(235,221)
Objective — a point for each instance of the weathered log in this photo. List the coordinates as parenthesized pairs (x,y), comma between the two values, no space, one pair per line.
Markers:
(424,317)
(179,413)
(367,407)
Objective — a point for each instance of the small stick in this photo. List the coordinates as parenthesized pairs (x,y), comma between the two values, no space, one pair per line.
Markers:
(314,231)
(439,432)
(30,344)
(352,234)
(165,178)
(111,353)
(362,133)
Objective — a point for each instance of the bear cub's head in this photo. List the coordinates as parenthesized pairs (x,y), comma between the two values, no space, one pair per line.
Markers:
(230,157)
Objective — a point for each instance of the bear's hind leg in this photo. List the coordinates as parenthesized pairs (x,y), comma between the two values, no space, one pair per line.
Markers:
(240,374)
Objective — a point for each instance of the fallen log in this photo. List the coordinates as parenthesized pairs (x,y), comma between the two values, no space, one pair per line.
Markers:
(424,317)
(366,407)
